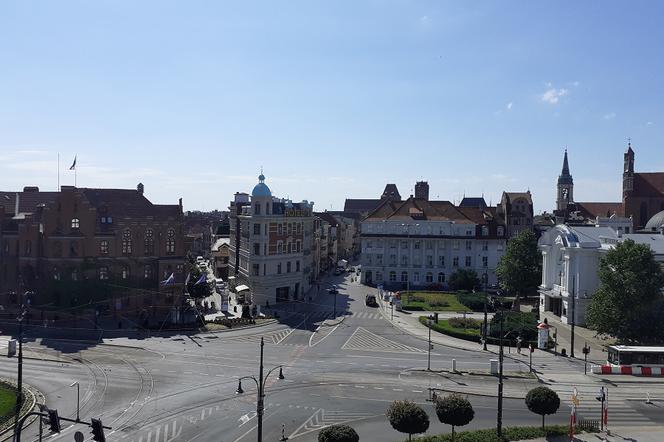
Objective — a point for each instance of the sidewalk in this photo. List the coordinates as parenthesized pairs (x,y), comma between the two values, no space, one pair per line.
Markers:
(616,434)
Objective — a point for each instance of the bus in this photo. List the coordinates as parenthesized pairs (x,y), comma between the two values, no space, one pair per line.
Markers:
(636,355)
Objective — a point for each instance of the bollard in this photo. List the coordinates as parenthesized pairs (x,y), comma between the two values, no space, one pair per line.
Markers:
(454,365)
(648,401)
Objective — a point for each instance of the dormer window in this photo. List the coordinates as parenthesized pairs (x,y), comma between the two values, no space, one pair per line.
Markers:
(75,223)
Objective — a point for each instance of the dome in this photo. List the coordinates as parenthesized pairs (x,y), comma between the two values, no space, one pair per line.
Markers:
(261,189)
(656,222)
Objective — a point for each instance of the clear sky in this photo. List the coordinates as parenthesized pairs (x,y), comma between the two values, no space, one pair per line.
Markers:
(334,99)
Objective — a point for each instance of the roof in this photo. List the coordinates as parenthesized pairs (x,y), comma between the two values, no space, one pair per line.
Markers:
(601,209)
(361,205)
(418,208)
(472,202)
(649,184)
(28,201)
(511,196)
(327,217)
(391,191)
(220,242)
(127,202)
(584,237)
(656,222)
(653,240)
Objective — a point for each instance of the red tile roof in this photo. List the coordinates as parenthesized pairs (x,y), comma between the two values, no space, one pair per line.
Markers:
(415,208)
(649,184)
(595,209)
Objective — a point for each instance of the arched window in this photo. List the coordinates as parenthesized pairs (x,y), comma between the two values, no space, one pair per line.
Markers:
(429,277)
(75,223)
(149,242)
(170,241)
(126,242)
(441,278)
(103,247)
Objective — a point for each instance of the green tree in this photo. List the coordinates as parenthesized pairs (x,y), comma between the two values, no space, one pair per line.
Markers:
(628,303)
(407,417)
(464,279)
(454,410)
(542,401)
(338,433)
(520,268)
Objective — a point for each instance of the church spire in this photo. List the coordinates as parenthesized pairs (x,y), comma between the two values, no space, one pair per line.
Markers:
(565,177)
(565,165)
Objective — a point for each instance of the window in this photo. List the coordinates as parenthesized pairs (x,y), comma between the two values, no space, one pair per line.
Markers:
(28,248)
(257,248)
(455,244)
(417,245)
(501,231)
(468,261)
(393,244)
(280,247)
(75,223)
(126,242)
(369,244)
(404,260)
(149,242)
(416,277)
(147,271)
(485,231)
(469,245)
(103,247)
(404,276)
(393,260)
(429,245)
(393,276)
(279,269)
(485,245)
(74,275)
(103,272)
(257,209)
(280,229)
(379,259)
(429,259)
(289,247)
(379,276)
(441,278)
(299,245)
(404,244)
(441,261)
(469,233)
(170,241)
(297,266)
(455,261)
(288,267)
(289,229)
(485,261)
(429,277)
(257,229)
(255,269)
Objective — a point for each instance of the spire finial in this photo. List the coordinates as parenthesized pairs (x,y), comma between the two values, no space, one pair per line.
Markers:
(261,177)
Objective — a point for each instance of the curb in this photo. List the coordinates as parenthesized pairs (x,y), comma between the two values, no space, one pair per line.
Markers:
(463,392)
(32,393)
(263,324)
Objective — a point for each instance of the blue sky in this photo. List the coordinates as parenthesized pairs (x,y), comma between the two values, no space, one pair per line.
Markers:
(333,99)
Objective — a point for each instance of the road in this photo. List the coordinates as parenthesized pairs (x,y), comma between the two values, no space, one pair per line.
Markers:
(343,369)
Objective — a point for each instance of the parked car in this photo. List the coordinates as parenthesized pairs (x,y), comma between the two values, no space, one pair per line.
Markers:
(370,300)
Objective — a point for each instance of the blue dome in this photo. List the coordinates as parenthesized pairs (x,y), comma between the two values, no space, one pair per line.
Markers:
(261,189)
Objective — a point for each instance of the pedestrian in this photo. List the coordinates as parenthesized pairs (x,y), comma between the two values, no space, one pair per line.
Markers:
(519,339)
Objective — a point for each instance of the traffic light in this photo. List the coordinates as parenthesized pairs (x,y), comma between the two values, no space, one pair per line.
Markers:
(586,350)
(97,430)
(531,348)
(53,420)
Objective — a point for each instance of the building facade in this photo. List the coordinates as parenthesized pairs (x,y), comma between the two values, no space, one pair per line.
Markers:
(516,209)
(420,243)
(108,247)
(270,246)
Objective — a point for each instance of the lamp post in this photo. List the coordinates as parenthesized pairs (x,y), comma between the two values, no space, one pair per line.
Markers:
(573,314)
(78,399)
(260,384)
(19,382)
(499,417)
(430,323)
(486,323)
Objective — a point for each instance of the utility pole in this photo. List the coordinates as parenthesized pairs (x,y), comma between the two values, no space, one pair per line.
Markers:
(430,321)
(486,324)
(19,390)
(571,353)
(499,419)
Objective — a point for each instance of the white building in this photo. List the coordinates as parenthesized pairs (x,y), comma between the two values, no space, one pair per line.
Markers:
(270,246)
(571,257)
(420,243)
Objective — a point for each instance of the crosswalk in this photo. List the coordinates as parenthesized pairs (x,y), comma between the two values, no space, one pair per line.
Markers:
(273,338)
(324,418)
(364,340)
(620,413)
(322,315)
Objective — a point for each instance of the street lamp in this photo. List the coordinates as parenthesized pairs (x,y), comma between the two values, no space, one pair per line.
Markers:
(499,418)
(78,399)
(260,384)
(19,389)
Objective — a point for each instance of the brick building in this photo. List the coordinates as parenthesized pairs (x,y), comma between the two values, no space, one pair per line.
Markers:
(103,247)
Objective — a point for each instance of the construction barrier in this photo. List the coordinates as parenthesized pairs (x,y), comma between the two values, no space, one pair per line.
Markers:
(627,369)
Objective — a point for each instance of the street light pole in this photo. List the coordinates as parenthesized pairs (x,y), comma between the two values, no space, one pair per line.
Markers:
(429,352)
(486,324)
(499,419)
(573,314)
(78,399)
(19,390)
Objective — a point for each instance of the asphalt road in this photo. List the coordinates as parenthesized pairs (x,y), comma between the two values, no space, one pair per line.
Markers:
(182,388)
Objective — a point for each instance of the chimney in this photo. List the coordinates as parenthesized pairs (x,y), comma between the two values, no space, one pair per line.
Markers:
(422,190)
(31,189)
(16,206)
(140,188)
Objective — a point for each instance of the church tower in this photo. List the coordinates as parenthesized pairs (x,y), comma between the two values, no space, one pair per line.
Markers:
(628,172)
(565,187)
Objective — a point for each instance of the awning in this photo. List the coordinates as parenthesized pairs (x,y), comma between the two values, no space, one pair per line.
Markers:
(241,288)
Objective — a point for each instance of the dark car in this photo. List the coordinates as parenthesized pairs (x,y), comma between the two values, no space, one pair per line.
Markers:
(370,300)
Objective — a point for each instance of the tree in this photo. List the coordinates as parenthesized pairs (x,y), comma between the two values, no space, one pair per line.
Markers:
(628,302)
(454,410)
(464,279)
(542,401)
(407,417)
(338,433)
(520,268)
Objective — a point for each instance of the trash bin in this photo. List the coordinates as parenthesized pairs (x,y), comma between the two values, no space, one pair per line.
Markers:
(494,366)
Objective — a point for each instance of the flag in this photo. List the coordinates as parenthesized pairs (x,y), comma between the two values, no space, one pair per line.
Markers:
(202,279)
(170,280)
(73,165)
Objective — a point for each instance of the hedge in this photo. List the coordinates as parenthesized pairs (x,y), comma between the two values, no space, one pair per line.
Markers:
(509,434)
(471,334)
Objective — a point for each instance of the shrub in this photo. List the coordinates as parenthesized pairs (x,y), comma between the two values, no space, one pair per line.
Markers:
(464,279)
(515,323)
(465,323)
(542,401)
(338,433)
(509,434)
(454,410)
(407,417)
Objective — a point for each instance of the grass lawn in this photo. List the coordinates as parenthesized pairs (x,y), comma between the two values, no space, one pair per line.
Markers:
(432,301)
(443,326)
(7,401)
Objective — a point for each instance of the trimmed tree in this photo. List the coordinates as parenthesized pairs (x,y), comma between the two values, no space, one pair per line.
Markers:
(338,433)
(454,410)
(520,268)
(542,401)
(464,279)
(628,303)
(407,417)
